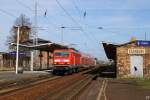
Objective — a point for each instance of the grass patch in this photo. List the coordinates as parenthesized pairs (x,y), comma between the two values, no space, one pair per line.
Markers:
(140,82)
(144,83)
(110,79)
(7,69)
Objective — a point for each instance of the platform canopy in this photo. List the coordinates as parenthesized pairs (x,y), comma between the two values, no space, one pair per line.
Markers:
(42,45)
(110,50)
(48,47)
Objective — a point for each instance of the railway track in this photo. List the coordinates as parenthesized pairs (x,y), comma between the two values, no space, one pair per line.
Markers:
(14,86)
(68,91)
(56,88)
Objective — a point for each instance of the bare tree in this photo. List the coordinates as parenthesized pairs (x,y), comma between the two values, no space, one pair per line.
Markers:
(25,30)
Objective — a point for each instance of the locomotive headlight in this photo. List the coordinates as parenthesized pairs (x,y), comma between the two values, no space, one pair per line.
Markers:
(57,60)
(66,60)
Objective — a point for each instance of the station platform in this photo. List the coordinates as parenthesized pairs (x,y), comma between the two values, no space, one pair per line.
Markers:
(11,76)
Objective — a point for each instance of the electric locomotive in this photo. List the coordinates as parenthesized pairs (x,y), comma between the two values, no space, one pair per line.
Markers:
(68,61)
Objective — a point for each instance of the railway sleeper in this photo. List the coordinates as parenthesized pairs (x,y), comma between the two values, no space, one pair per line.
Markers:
(69,92)
(65,71)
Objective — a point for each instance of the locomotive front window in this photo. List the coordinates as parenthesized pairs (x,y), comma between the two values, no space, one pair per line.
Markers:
(64,54)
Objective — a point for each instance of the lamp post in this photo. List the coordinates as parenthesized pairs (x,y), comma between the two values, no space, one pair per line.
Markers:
(17,52)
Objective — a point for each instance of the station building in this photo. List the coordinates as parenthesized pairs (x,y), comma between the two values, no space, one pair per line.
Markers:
(131,59)
(42,59)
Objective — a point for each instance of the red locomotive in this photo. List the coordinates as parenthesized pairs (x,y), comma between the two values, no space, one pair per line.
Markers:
(68,61)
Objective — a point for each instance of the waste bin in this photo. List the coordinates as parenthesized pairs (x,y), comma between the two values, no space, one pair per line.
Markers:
(20,70)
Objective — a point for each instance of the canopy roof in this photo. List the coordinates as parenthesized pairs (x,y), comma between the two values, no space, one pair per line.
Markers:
(43,45)
(111,49)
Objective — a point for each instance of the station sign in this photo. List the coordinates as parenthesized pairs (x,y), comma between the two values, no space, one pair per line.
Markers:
(136,51)
(13,53)
(142,43)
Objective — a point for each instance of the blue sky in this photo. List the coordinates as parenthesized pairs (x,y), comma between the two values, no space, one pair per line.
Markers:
(120,19)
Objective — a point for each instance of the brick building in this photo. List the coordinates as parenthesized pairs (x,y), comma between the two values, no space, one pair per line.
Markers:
(8,60)
(42,53)
(132,59)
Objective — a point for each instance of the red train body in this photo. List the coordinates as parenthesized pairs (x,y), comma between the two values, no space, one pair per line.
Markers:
(67,61)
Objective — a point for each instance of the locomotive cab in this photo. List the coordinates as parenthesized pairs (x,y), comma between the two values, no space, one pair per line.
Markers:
(61,58)
(66,61)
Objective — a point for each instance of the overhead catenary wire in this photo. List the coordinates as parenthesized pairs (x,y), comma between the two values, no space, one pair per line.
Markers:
(45,15)
(24,5)
(84,15)
(30,9)
(7,13)
(81,11)
(77,8)
(68,14)
(50,22)
(53,24)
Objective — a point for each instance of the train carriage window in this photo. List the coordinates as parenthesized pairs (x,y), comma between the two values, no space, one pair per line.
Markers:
(64,54)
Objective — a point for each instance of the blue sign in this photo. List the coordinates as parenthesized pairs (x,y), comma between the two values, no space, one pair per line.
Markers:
(142,43)
(13,53)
